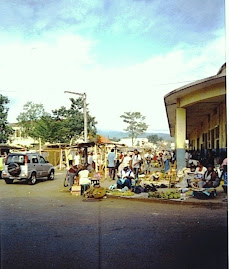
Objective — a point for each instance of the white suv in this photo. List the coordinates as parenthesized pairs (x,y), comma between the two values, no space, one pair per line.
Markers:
(29,166)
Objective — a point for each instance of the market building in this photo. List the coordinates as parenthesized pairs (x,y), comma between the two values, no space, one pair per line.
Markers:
(197,116)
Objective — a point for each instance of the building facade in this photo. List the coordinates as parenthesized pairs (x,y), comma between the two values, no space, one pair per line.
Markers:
(18,139)
(197,116)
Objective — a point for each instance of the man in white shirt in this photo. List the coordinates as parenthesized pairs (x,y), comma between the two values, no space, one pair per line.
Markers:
(136,162)
(125,178)
(111,163)
(148,161)
(77,159)
(90,161)
(125,161)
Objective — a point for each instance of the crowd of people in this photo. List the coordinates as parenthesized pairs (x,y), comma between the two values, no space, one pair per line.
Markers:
(125,167)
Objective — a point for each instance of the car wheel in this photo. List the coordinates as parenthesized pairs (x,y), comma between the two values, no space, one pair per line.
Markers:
(14,169)
(33,179)
(9,181)
(51,175)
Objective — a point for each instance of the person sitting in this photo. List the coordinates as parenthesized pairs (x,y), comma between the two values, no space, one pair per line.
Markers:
(84,180)
(210,178)
(187,175)
(198,175)
(200,170)
(125,178)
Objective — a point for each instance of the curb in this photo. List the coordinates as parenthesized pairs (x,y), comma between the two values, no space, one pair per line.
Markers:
(172,202)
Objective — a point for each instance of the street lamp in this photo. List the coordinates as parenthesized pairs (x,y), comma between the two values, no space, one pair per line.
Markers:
(83,95)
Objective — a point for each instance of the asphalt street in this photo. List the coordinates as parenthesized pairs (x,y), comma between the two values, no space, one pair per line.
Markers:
(44,226)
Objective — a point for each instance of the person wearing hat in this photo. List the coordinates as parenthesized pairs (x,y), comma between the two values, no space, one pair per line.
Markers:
(125,177)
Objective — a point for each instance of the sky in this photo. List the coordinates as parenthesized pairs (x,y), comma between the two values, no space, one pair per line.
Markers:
(125,54)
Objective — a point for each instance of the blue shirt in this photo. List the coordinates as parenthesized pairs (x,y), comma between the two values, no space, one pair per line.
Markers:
(111,159)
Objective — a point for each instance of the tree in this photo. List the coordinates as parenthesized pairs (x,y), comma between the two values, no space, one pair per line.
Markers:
(154,138)
(61,126)
(48,129)
(5,129)
(136,125)
(29,117)
(72,120)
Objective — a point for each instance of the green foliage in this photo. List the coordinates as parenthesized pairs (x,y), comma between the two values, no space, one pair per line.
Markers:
(72,120)
(136,125)
(154,138)
(29,117)
(61,126)
(5,129)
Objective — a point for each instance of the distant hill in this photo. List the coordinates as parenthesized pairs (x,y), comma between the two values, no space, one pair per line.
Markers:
(118,134)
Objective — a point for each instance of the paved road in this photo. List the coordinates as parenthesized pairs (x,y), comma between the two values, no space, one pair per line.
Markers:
(43,226)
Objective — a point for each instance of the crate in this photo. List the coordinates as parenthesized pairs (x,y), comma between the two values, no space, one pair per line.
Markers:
(76,190)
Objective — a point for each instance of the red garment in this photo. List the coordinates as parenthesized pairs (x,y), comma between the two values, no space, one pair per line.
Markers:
(73,169)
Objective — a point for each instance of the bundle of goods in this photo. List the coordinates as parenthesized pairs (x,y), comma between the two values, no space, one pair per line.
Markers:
(95,192)
(165,195)
(205,193)
(120,193)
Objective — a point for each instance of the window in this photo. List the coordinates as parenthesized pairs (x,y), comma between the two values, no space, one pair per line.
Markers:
(34,159)
(20,159)
(212,138)
(217,132)
(205,140)
(42,160)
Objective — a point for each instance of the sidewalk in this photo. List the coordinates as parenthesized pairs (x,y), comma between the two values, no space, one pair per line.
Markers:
(218,202)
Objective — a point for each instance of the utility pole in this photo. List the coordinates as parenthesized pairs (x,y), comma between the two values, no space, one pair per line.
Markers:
(84,96)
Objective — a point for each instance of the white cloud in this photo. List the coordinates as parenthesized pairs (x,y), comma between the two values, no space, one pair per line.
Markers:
(41,72)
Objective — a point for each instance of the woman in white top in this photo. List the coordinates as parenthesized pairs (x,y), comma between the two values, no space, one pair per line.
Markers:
(200,170)
(210,178)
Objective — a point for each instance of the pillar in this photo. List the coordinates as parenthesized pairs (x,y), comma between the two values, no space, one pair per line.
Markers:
(180,137)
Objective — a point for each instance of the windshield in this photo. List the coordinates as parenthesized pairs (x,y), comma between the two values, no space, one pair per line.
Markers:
(20,159)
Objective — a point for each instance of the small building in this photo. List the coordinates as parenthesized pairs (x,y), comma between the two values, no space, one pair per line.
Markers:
(138,142)
(197,116)
(18,139)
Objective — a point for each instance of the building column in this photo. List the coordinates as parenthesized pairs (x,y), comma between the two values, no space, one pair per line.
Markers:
(180,137)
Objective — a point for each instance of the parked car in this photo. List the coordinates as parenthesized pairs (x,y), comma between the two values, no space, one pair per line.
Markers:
(29,166)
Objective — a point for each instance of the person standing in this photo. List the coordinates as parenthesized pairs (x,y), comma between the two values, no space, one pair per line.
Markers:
(77,159)
(70,159)
(148,161)
(111,164)
(136,162)
(71,174)
(90,161)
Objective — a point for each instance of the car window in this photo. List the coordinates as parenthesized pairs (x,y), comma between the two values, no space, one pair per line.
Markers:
(34,159)
(42,160)
(20,159)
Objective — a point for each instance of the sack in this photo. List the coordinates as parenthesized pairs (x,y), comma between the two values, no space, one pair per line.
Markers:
(99,193)
(138,189)
(204,195)
(150,188)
